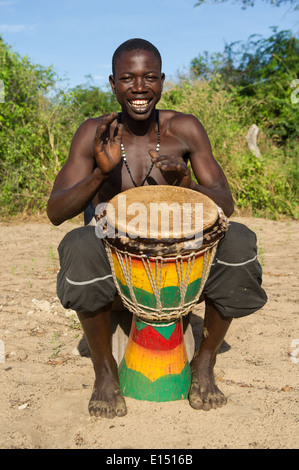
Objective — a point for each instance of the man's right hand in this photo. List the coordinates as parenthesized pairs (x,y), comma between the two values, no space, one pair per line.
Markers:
(107,151)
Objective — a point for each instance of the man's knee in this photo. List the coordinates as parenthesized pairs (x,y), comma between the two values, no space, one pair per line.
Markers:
(74,243)
(84,282)
(238,244)
(234,283)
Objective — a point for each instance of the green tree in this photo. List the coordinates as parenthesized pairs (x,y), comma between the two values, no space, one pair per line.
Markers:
(262,70)
(37,123)
(32,143)
(91,101)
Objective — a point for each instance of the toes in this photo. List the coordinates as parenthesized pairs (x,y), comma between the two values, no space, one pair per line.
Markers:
(110,413)
(120,406)
(196,403)
(214,401)
(210,402)
(103,409)
(195,400)
(201,399)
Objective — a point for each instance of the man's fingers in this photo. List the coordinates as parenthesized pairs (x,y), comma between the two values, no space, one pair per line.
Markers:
(154,155)
(102,128)
(165,164)
(119,133)
(111,117)
(162,161)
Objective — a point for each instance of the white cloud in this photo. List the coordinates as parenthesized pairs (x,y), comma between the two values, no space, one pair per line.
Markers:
(15,28)
(12,28)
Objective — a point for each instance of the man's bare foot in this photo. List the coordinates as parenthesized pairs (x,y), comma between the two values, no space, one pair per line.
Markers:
(204,394)
(107,400)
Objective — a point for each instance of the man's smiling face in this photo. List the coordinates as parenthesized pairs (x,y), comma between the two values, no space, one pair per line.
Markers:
(137,83)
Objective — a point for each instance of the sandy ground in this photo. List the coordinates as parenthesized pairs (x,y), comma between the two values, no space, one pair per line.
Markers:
(46,382)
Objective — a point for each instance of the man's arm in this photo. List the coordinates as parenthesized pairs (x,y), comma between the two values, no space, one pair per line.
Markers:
(77,182)
(91,158)
(194,143)
(210,177)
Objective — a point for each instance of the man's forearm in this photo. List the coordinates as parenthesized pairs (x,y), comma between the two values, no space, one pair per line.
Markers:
(67,203)
(221,197)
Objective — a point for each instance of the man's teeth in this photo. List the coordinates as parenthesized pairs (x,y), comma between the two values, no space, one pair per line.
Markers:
(139,103)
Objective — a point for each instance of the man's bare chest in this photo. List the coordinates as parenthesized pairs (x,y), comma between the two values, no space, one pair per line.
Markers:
(136,168)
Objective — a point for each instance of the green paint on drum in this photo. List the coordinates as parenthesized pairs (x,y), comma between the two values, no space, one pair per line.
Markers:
(164,329)
(167,388)
(192,290)
(169,296)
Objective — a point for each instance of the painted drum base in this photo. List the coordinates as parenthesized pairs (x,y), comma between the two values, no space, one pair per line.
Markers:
(155,366)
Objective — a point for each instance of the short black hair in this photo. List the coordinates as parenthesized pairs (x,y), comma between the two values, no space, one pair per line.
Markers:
(133,45)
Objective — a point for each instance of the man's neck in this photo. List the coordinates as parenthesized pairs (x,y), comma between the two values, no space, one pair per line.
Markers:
(140,128)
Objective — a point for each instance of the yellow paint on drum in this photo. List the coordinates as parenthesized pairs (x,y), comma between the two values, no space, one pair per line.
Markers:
(169,276)
(166,362)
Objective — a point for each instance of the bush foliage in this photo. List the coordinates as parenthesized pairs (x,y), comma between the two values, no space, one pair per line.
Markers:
(228,92)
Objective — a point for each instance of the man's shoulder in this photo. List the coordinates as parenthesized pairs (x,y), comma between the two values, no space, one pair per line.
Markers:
(178,121)
(93,122)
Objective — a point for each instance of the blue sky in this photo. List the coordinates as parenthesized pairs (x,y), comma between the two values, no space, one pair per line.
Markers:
(78,37)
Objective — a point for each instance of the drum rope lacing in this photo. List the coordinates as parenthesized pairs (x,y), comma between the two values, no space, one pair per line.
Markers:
(124,157)
(160,312)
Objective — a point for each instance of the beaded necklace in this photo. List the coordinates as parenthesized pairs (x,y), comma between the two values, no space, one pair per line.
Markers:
(152,165)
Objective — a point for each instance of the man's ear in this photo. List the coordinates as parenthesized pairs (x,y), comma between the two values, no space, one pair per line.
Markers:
(162,78)
(112,83)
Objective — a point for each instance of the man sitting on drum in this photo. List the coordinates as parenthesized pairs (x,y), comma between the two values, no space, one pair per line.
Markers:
(143,146)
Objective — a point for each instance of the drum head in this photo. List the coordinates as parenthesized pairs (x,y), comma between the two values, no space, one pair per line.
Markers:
(161,212)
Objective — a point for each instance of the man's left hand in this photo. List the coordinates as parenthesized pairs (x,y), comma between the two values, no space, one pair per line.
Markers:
(173,168)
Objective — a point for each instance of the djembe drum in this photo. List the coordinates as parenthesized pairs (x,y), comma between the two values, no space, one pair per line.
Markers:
(159,265)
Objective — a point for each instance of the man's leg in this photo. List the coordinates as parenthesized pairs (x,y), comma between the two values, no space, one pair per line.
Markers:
(204,394)
(233,290)
(106,400)
(85,285)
